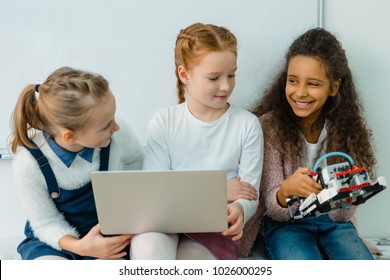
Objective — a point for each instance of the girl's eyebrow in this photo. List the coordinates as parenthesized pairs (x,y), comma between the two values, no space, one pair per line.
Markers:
(310,78)
(103,127)
(217,73)
(316,79)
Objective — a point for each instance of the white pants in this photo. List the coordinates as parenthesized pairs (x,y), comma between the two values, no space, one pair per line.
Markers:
(160,246)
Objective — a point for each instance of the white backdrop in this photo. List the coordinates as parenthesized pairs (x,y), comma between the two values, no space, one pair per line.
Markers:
(131,44)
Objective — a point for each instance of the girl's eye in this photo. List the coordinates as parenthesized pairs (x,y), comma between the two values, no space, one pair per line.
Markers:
(292,81)
(213,78)
(107,126)
(232,76)
(314,84)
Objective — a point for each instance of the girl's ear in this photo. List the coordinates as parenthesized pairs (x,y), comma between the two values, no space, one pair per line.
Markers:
(336,87)
(68,135)
(183,74)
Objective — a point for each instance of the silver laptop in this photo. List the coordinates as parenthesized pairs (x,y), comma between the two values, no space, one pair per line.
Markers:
(160,201)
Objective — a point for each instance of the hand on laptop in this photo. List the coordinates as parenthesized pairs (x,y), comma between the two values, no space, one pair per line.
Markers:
(235,220)
(237,189)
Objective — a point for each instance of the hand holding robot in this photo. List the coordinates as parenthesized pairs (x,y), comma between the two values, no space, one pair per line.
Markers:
(343,185)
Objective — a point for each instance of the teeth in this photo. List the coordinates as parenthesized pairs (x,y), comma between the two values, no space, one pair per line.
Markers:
(302,103)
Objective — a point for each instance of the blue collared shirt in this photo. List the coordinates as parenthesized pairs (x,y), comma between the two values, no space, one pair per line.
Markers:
(66,156)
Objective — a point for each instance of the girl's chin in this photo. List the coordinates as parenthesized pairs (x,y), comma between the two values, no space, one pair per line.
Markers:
(107,143)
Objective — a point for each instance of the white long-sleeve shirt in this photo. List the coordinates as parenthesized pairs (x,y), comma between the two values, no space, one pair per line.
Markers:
(47,223)
(234,143)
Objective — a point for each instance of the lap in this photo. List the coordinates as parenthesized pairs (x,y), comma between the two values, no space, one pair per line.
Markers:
(154,246)
(33,248)
(189,249)
(314,238)
(290,242)
(160,246)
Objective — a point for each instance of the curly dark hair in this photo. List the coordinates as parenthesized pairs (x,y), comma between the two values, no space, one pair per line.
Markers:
(347,130)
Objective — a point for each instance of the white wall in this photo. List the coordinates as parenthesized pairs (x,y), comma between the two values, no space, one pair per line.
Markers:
(363,28)
(131,44)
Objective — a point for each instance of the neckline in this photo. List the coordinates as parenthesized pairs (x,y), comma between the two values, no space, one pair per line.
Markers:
(206,123)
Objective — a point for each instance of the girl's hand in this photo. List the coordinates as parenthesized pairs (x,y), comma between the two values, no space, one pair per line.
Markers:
(235,220)
(298,184)
(93,244)
(237,189)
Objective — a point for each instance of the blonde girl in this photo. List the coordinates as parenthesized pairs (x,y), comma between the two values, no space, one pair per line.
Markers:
(63,130)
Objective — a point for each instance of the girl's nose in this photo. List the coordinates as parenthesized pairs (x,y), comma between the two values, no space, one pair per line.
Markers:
(225,85)
(115,127)
(301,91)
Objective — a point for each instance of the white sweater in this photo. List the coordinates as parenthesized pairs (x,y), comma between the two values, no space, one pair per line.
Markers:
(234,143)
(47,223)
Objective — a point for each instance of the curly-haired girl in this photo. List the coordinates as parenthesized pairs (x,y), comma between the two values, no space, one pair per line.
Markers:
(311,108)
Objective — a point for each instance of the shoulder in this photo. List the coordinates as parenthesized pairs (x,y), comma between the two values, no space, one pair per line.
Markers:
(124,134)
(267,122)
(243,115)
(25,168)
(125,146)
(23,159)
(166,113)
(236,110)
(124,137)
(271,134)
(166,117)
(23,163)
(243,124)
(266,119)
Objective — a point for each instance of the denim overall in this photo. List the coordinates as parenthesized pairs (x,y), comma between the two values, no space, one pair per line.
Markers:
(77,206)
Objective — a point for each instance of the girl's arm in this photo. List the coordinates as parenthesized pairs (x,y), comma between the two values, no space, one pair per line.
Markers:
(237,189)
(273,172)
(126,152)
(251,164)
(277,182)
(156,149)
(48,223)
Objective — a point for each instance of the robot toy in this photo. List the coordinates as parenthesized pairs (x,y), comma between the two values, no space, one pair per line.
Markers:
(343,185)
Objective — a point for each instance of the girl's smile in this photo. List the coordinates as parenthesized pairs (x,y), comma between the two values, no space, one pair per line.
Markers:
(302,104)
